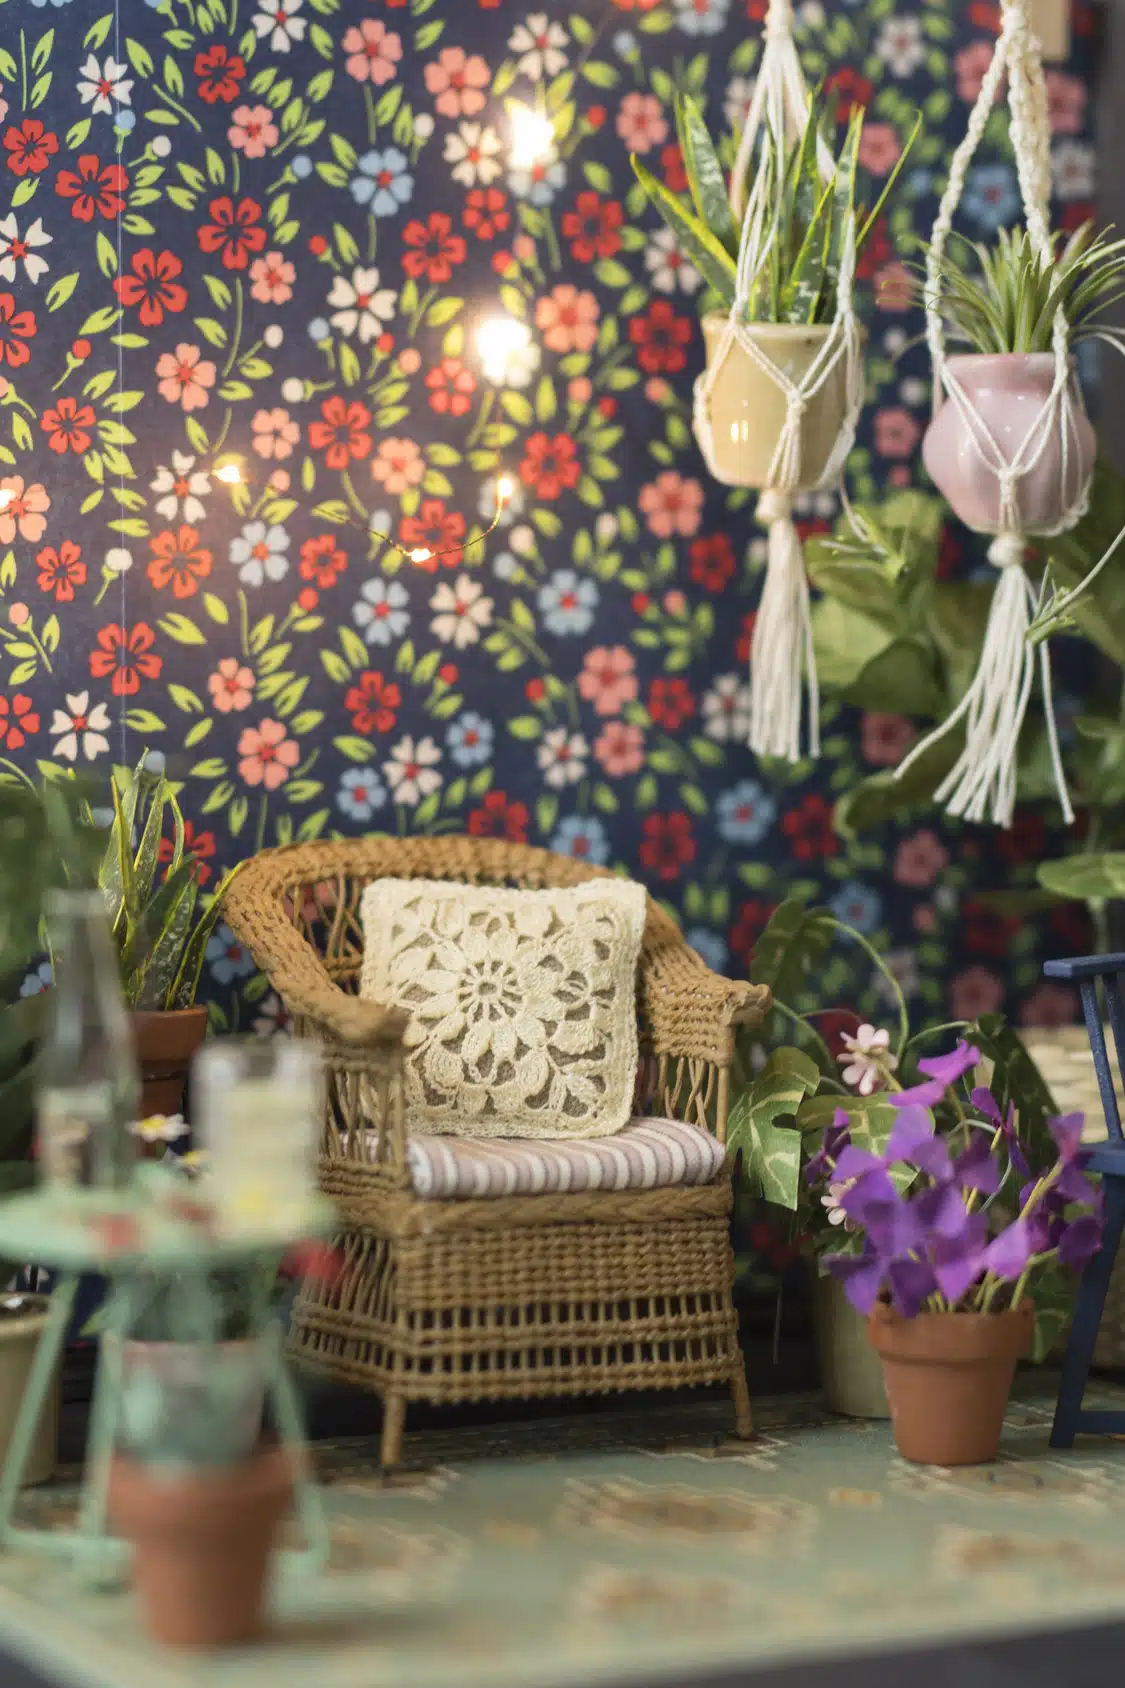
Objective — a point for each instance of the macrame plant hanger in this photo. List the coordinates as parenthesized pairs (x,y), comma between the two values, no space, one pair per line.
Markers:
(982,782)
(781,651)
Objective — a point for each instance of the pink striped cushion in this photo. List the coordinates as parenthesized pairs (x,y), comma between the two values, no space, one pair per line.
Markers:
(648,1154)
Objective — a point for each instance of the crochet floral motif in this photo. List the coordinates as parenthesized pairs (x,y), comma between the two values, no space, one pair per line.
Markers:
(522,1003)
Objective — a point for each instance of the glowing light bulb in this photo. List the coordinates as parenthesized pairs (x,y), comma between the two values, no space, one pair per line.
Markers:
(533,137)
(500,341)
(230,474)
(505,487)
(421,554)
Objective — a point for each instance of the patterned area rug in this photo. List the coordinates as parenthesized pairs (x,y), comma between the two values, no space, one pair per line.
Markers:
(612,1548)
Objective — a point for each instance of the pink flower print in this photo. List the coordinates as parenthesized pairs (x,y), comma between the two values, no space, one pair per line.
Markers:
(641,122)
(568,319)
(267,757)
(975,991)
(373,51)
(885,739)
(620,749)
(897,432)
(184,377)
(252,130)
(24,512)
(608,679)
(879,147)
(1066,102)
(271,279)
(969,66)
(231,686)
(398,465)
(458,80)
(672,504)
(920,859)
(274,433)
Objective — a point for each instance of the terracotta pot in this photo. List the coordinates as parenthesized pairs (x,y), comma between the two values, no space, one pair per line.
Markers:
(948,1378)
(851,1373)
(748,406)
(1008,393)
(166,1042)
(19,1338)
(203,1542)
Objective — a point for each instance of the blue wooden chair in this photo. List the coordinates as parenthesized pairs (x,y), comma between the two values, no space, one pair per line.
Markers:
(1108,1159)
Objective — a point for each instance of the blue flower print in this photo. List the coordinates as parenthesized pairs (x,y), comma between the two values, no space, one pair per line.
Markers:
(745,813)
(470,740)
(857,905)
(582,836)
(701,17)
(568,603)
(361,793)
(991,197)
(537,183)
(381,613)
(258,553)
(38,979)
(709,946)
(229,960)
(384,183)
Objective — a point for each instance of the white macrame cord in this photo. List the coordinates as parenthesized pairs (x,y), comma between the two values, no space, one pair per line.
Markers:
(982,782)
(781,651)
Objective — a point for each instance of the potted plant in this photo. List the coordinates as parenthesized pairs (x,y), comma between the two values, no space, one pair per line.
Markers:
(160,933)
(803,225)
(953,1231)
(1006,317)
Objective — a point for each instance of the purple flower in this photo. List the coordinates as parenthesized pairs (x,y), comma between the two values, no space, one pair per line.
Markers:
(975,1168)
(985,1102)
(1067,1132)
(941,1210)
(837,1137)
(911,1283)
(1008,1254)
(942,1071)
(861,1275)
(913,1141)
(1080,1241)
(959,1261)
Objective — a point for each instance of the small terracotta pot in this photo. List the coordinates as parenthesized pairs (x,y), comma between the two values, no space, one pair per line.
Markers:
(203,1544)
(165,1043)
(748,406)
(1008,393)
(948,1377)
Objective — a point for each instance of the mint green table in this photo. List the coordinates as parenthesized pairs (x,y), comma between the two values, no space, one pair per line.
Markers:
(131,1238)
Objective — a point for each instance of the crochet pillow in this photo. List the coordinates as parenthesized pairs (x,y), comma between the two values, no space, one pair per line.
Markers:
(523,1017)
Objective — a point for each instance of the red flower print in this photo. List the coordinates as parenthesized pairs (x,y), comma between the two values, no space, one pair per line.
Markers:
(374,703)
(125,652)
(200,845)
(451,387)
(667,844)
(96,189)
(322,561)
(745,635)
(985,932)
(17,719)
(486,213)
(592,228)
(152,285)
(672,164)
(497,818)
(749,924)
(550,464)
(179,561)
(661,336)
(850,89)
(61,570)
(670,703)
(342,434)
(235,231)
(434,529)
(220,74)
(711,561)
(67,425)
(16,328)
(434,248)
(30,147)
(1025,840)
(809,828)
(877,251)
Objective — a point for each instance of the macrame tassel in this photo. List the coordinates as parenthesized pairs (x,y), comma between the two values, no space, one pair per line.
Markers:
(982,782)
(781,650)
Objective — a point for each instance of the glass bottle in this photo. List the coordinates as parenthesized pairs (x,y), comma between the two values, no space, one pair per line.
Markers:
(88,1086)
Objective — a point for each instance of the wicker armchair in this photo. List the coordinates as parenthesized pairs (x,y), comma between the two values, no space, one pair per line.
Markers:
(521,1296)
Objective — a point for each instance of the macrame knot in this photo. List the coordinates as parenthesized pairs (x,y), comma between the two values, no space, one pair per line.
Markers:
(1007,551)
(779,21)
(774,505)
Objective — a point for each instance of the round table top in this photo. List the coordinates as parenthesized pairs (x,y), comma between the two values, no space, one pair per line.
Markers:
(145,1228)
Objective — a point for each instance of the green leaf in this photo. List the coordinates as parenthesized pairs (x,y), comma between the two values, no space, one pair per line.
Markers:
(1086,878)
(772,1153)
(705,174)
(709,256)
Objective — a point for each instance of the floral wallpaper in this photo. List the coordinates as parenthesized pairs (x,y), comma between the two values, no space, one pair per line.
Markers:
(310,235)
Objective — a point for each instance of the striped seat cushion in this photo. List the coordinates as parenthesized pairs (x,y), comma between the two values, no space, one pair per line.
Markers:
(646,1155)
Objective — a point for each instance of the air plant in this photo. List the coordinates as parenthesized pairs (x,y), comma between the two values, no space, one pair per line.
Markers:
(799,215)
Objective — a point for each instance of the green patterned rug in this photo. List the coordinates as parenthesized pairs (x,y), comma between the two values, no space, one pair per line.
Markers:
(613,1547)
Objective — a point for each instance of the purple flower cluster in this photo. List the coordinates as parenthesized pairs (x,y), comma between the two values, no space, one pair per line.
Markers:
(950,1219)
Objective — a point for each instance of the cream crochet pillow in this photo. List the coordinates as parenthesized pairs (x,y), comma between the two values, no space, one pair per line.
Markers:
(523,1016)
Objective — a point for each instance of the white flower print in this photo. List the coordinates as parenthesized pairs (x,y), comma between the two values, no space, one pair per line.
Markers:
(562,757)
(726,709)
(900,45)
(736,104)
(182,489)
(18,249)
(462,611)
(361,303)
(411,772)
(278,20)
(540,46)
(474,152)
(1072,170)
(668,268)
(867,1058)
(102,84)
(79,725)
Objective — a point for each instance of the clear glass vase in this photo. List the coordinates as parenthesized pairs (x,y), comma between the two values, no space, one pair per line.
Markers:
(88,1086)
(258,1105)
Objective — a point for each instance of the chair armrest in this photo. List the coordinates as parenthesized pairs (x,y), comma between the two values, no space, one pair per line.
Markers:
(692,1011)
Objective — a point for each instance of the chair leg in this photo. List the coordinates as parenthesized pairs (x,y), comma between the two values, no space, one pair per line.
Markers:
(740,1393)
(394,1420)
(1087,1317)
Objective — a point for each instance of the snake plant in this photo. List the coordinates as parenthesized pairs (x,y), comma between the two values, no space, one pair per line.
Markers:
(806,220)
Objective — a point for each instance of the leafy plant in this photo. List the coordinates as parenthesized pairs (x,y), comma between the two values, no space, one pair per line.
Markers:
(799,219)
(161,938)
(1011,306)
